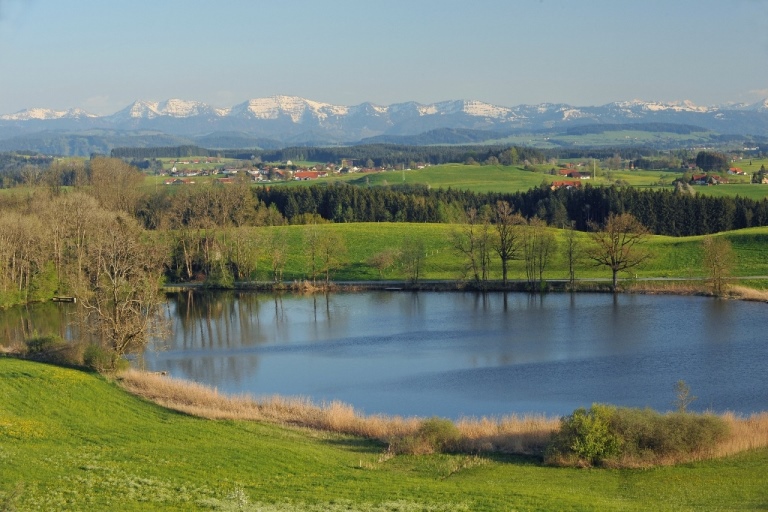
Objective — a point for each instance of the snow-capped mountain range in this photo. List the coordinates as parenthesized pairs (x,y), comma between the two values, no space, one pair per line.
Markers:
(297,108)
(295,120)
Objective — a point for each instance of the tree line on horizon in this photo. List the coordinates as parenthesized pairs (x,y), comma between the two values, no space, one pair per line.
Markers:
(383,155)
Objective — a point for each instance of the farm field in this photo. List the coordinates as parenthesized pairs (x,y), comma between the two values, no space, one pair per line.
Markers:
(492,178)
(511,179)
(60,452)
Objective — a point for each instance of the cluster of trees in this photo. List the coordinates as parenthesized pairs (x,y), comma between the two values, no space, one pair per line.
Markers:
(88,246)
(712,161)
(760,175)
(164,152)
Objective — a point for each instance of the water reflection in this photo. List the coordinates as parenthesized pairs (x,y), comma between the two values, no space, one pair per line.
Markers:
(44,319)
(492,353)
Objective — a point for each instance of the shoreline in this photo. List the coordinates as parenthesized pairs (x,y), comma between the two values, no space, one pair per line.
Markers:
(648,286)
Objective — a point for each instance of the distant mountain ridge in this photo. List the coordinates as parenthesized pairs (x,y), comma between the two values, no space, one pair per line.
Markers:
(291,120)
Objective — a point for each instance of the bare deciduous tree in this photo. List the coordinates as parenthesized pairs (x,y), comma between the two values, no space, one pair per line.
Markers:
(383,261)
(122,293)
(617,244)
(538,246)
(572,251)
(312,249)
(278,254)
(115,184)
(472,241)
(332,254)
(718,261)
(508,237)
(412,255)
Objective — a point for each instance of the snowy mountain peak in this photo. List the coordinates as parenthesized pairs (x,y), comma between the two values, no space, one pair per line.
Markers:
(293,107)
(658,106)
(177,108)
(45,114)
(183,108)
(760,106)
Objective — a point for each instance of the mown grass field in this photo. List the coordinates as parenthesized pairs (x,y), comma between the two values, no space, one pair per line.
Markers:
(671,257)
(71,440)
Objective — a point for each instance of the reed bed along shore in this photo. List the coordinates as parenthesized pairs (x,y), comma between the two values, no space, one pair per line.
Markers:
(735,292)
(514,434)
(526,435)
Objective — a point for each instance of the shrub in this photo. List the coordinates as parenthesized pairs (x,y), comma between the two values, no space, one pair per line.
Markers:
(53,349)
(43,344)
(636,436)
(220,277)
(585,436)
(100,359)
(434,435)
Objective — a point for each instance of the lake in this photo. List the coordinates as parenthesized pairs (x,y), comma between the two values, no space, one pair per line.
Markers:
(466,354)
(457,354)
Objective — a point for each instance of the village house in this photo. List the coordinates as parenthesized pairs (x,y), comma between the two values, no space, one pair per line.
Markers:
(704,179)
(179,181)
(309,175)
(565,184)
(699,179)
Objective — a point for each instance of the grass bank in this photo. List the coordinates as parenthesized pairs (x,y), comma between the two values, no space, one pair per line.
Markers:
(71,440)
(671,257)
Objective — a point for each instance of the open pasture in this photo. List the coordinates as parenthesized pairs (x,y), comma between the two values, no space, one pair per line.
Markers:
(71,440)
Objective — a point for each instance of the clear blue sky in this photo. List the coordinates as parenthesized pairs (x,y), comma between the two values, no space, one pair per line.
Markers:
(104,54)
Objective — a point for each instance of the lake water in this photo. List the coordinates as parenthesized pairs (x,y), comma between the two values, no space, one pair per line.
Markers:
(457,354)
(463,354)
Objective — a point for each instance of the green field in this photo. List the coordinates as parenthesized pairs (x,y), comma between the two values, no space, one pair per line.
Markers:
(510,179)
(672,257)
(71,440)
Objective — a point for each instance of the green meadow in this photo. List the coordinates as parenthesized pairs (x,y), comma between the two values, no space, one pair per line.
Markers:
(511,179)
(671,257)
(71,440)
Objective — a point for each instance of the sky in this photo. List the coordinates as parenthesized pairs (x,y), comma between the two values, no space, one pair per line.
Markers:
(101,55)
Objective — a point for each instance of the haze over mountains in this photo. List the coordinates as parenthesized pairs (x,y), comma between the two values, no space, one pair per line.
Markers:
(289,120)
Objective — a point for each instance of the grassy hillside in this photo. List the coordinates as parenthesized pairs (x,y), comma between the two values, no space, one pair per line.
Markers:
(510,179)
(672,257)
(73,441)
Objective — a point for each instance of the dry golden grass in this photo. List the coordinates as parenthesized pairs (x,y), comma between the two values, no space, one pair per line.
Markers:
(745,293)
(525,435)
(512,434)
(697,288)
(745,433)
(668,288)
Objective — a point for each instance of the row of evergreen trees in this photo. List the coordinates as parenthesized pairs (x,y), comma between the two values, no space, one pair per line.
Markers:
(663,212)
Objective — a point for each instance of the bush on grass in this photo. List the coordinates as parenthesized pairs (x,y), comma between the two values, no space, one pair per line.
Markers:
(53,349)
(102,360)
(608,435)
(434,435)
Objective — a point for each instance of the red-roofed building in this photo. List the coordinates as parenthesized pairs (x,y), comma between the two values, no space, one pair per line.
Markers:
(565,184)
